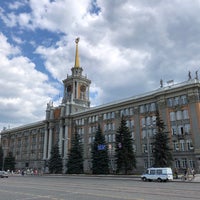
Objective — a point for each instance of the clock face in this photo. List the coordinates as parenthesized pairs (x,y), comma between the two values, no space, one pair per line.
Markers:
(83,88)
(69,88)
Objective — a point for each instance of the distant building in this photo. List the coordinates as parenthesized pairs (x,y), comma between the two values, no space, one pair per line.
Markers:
(178,104)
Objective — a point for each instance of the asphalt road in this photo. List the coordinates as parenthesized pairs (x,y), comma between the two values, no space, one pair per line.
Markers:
(93,188)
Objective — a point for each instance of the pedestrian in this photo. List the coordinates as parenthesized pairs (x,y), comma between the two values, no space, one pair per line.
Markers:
(176,173)
(193,172)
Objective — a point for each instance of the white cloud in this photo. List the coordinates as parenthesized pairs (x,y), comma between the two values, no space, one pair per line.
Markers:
(23,88)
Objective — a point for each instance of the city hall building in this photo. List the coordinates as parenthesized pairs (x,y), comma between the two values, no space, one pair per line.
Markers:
(178,104)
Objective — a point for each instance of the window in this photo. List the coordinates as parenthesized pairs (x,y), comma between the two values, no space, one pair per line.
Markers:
(185,114)
(132,123)
(179,115)
(174,132)
(172,116)
(126,111)
(184,99)
(113,115)
(170,102)
(143,134)
(148,120)
(177,163)
(142,109)
(159,171)
(176,101)
(145,148)
(152,172)
(131,111)
(175,146)
(191,163)
(187,128)
(143,122)
(182,145)
(184,162)
(180,130)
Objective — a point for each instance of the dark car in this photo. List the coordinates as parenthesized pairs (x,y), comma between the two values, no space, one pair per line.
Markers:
(3,174)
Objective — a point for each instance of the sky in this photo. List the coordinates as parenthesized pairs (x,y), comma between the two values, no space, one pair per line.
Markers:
(126,47)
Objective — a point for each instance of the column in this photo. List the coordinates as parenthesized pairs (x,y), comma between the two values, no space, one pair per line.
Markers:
(65,149)
(50,143)
(66,142)
(45,144)
(60,137)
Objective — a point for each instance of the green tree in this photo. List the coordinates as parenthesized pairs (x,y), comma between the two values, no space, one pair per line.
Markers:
(55,161)
(124,154)
(1,158)
(100,160)
(161,150)
(9,162)
(75,161)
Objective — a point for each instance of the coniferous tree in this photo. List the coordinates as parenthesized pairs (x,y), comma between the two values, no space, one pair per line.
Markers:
(100,160)
(1,158)
(124,154)
(55,161)
(161,150)
(75,161)
(9,162)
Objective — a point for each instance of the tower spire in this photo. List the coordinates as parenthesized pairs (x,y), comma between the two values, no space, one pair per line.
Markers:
(77,64)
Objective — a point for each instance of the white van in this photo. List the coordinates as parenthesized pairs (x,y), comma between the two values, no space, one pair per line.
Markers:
(157,174)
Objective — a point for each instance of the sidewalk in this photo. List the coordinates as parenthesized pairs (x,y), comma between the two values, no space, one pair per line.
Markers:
(133,177)
(196,179)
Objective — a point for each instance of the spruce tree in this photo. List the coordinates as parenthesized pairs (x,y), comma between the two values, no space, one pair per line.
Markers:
(100,160)
(75,161)
(55,161)
(1,158)
(9,162)
(161,150)
(124,154)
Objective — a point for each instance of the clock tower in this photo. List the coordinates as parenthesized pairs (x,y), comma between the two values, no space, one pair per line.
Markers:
(76,87)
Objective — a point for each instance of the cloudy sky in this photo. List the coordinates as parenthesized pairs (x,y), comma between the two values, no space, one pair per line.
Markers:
(125,48)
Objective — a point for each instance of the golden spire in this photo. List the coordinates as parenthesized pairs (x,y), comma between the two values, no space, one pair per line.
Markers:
(77,64)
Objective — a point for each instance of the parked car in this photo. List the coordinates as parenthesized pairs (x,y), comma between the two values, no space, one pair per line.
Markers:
(157,174)
(3,174)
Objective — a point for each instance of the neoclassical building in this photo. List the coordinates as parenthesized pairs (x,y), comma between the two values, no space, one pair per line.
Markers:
(178,104)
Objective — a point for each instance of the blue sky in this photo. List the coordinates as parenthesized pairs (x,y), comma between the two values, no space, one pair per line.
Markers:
(125,48)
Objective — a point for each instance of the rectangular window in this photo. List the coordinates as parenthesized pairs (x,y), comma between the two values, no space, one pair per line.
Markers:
(172,116)
(176,101)
(152,172)
(179,115)
(187,128)
(184,162)
(142,109)
(184,99)
(113,115)
(182,145)
(185,114)
(170,102)
(174,132)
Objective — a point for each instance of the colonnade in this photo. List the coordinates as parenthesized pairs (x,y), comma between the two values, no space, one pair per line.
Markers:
(63,141)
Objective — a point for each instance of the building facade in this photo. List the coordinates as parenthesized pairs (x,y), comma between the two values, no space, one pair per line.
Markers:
(178,104)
